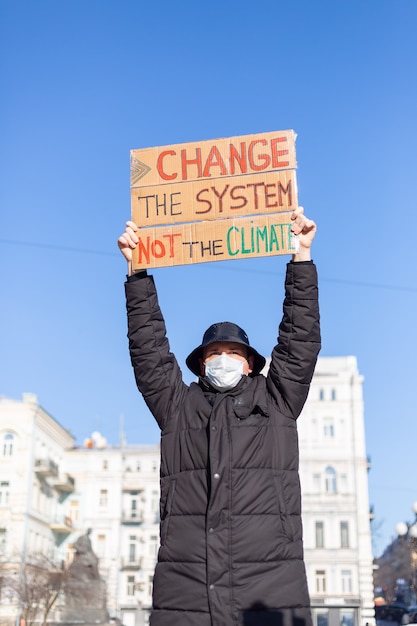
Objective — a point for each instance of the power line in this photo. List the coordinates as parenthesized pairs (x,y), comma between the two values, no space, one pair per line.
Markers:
(49,246)
(354,283)
(340,281)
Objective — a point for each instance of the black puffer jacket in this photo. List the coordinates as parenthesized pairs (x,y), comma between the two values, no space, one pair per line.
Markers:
(231,539)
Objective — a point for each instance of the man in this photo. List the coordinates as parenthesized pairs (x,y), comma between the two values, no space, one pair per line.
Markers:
(231,539)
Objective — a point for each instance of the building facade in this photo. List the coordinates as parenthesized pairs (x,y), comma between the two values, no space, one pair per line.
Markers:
(336,512)
(34,486)
(63,491)
(117,496)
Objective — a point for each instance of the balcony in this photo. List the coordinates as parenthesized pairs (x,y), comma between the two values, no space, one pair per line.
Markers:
(129,602)
(132,517)
(62,525)
(131,563)
(133,485)
(65,484)
(46,468)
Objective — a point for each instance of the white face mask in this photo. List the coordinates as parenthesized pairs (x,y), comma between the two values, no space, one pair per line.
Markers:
(224,372)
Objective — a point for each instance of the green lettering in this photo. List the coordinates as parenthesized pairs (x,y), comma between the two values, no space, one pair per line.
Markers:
(261,234)
(228,242)
(282,231)
(273,239)
(292,239)
(242,238)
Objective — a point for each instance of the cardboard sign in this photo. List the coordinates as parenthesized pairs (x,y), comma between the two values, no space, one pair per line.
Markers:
(214,200)
(235,156)
(255,194)
(221,240)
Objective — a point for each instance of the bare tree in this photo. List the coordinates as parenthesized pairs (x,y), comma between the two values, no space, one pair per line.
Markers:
(395,565)
(36,584)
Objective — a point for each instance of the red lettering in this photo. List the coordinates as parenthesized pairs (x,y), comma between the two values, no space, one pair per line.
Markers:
(259,195)
(265,158)
(185,162)
(154,249)
(170,237)
(199,199)
(220,197)
(240,158)
(278,153)
(286,190)
(237,197)
(255,192)
(143,250)
(269,205)
(214,159)
(160,168)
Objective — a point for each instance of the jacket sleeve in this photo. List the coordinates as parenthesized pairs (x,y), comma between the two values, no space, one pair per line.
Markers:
(294,357)
(157,372)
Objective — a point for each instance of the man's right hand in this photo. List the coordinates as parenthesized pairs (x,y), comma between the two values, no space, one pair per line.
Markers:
(128,241)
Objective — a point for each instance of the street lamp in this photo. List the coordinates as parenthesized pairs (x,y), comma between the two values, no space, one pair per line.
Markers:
(408,532)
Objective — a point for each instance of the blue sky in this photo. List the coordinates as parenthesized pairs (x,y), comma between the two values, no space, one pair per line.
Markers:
(83,83)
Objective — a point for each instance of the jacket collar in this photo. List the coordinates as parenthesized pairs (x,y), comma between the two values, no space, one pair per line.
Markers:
(245,398)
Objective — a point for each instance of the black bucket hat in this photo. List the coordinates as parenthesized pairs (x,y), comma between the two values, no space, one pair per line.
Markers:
(224,331)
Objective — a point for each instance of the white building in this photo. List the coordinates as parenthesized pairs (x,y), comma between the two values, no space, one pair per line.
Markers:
(117,496)
(51,493)
(114,491)
(34,485)
(336,512)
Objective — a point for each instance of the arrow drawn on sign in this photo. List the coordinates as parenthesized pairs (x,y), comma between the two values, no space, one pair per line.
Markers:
(138,170)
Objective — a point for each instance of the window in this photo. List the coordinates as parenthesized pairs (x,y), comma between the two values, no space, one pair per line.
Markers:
(73,510)
(132,549)
(150,584)
(4,493)
(35,495)
(154,466)
(346,576)
(105,464)
(330,480)
(347,617)
(7,448)
(130,586)
(344,534)
(320,581)
(319,535)
(322,617)
(101,546)
(321,394)
(69,553)
(316,483)
(103,500)
(134,508)
(333,395)
(155,505)
(153,545)
(138,466)
(328,427)
(132,553)
(2,541)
